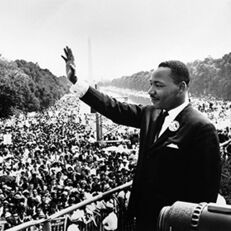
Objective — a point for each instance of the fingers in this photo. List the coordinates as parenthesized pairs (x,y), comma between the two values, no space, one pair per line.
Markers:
(68,53)
(64,58)
(71,54)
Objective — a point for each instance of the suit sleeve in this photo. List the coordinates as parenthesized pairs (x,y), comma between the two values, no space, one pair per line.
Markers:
(118,112)
(204,166)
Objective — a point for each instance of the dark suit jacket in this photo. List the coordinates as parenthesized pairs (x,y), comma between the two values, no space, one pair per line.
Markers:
(163,174)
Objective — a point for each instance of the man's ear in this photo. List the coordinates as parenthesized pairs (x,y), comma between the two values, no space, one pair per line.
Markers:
(182,86)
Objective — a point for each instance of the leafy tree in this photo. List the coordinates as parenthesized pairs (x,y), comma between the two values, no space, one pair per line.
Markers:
(209,77)
(26,87)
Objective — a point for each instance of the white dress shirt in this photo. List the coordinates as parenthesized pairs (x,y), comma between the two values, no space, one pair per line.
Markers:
(80,88)
(172,114)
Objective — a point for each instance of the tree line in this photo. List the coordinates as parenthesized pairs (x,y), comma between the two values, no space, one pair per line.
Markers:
(26,87)
(209,77)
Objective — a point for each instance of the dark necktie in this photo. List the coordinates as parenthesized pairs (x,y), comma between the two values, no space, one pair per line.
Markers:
(160,121)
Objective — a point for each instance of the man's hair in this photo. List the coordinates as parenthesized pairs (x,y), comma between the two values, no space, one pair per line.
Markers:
(178,69)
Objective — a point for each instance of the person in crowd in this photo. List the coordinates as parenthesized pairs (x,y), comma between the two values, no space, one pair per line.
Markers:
(42,173)
(179,155)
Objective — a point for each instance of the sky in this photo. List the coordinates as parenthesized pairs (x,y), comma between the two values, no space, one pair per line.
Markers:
(125,36)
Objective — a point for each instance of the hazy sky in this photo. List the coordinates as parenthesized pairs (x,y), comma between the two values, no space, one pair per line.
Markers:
(127,36)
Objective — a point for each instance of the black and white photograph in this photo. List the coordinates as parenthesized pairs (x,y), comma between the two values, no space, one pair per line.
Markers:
(115,115)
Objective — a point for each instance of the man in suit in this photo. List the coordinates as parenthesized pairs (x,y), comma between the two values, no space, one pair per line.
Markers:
(179,150)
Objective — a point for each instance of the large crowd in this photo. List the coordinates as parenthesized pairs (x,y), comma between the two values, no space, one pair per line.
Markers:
(50,160)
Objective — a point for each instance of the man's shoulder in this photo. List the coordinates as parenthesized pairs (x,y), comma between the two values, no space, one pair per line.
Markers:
(195,117)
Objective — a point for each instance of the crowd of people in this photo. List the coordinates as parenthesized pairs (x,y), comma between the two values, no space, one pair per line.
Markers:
(51,160)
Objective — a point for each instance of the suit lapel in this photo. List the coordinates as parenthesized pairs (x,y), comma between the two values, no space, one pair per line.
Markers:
(152,127)
(167,133)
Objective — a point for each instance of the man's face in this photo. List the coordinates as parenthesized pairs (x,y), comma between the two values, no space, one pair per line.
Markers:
(164,92)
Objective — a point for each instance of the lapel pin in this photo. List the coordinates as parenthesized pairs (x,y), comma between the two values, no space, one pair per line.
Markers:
(174,126)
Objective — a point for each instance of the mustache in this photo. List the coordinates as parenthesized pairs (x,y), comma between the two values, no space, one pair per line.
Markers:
(154,96)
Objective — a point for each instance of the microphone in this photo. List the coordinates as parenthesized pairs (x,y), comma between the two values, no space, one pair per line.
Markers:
(184,216)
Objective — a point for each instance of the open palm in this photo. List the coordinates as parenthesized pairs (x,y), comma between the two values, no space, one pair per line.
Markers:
(70,64)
